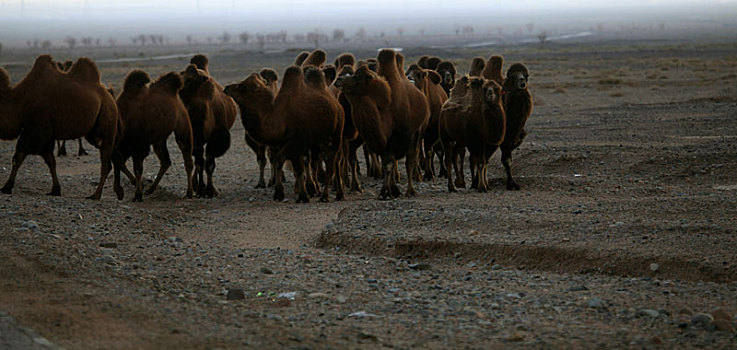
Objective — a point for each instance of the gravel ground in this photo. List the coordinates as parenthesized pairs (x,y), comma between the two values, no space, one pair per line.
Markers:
(623,235)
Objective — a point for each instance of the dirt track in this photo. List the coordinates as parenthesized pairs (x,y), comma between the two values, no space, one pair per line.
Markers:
(624,229)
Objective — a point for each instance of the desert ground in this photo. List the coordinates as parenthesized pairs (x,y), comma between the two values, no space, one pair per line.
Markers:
(623,235)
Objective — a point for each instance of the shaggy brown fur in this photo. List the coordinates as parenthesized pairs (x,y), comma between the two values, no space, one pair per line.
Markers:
(330,73)
(447,71)
(201,62)
(351,138)
(149,114)
(301,118)
(422,61)
(316,58)
(463,100)
(493,69)
(31,110)
(477,67)
(429,83)
(433,62)
(61,145)
(272,79)
(344,59)
(212,114)
(518,106)
(389,114)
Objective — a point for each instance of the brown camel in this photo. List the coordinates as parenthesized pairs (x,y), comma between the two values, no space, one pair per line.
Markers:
(301,57)
(49,105)
(149,114)
(351,140)
(447,71)
(271,78)
(463,100)
(212,114)
(302,117)
(493,69)
(316,58)
(61,145)
(518,106)
(428,82)
(477,67)
(389,113)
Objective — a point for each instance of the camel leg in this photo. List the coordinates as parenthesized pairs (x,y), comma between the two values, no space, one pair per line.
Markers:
(394,188)
(458,166)
(261,159)
(507,162)
(310,173)
(51,163)
(118,164)
(473,164)
(61,148)
(164,163)
(480,180)
(81,151)
(106,153)
(411,164)
(210,191)
(429,155)
(355,184)
(198,182)
(299,175)
(449,165)
(138,171)
(331,164)
(128,173)
(441,159)
(385,192)
(18,158)
(277,163)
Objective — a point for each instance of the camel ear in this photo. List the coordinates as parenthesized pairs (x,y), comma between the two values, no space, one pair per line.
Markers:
(435,78)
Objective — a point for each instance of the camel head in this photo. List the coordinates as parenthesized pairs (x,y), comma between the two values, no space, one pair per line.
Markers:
(460,87)
(250,91)
(197,84)
(345,59)
(365,82)
(417,75)
(330,73)
(315,77)
(516,79)
(422,61)
(373,64)
(496,62)
(492,92)
(447,72)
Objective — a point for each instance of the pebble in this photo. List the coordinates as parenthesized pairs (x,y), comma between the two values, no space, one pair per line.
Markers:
(596,303)
(287,295)
(266,271)
(654,267)
(496,267)
(109,245)
(341,299)
(419,266)
(30,224)
(701,319)
(648,312)
(235,294)
(317,295)
(362,314)
(517,336)
(107,259)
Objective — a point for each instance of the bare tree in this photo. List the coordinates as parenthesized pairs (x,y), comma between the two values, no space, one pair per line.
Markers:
(111,42)
(338,35)
(71,42)
(543,37)
(361,34)
(1,48)
(46,44)
(189,39)
(500,30)
(261,40)
(400,31)
(134,40)
(457,29)
(467,30)
(530,26)
(243,37)
(142,39)
(422,31)
(315,37)
(225,38)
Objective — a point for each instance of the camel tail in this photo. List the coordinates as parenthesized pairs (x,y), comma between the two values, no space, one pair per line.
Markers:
(86,69)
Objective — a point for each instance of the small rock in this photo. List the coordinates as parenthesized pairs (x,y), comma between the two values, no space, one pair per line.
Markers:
(656,340)
(30,224)
(275,317)
(367,336)
(109,245)
(702,319)
(362,314)
(419,266)
(596,303)
(648,313)
(723,325)
(341,299)
(317,295)
(235,294)
(496,267)
(654,267)
(283,302)
(517,336)
(287,295)
(471,265)
(580,288)
(107,259)
(371,280)
(686,311)
(266,271)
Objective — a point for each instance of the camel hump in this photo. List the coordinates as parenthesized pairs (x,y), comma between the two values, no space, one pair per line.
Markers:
(518,67)
(4,79)
(269,75)
(386,57)
(200,61)
(136,80)
(301,57)
(434,77)
(477,66)
(316,58)
(292,78)
(330,73)
(171,82)
(345,59)
(433,62)
(496,61)
(85,69)
(315,77)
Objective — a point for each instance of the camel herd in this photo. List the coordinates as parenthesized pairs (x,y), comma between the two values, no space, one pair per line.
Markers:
(315,118)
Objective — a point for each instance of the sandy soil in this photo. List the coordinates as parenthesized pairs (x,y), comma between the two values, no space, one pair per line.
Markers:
(622,235)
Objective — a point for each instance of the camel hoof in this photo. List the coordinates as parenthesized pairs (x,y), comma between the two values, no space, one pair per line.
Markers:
(94,197)
(428,176)
(279,195)
(54,192)
(384,193)
(411,193)
(302,198)
(61,152)
(138,198)
(150,191)
(189,194)
(82,153)
(311,190)
(512,186)
(357,188)
(395,191)
(7,190)
(324,199)
(119,192)
(261,184)
(339,197)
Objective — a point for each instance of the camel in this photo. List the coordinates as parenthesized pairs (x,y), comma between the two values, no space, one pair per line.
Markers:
(447,71)
(428,82)
(212,114)
(351,140)
(518,106)
(61,145)
(477,67)
(389,113)
(149,114)
(271,78)
(493,69)
(316,58)
(49,105)
(302,117)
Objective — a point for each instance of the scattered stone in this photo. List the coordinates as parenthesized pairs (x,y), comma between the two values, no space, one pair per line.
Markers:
(266,271)
(362,314)
(656,340)
(109,245)
(367,336)
(723,325)
(287,295)
(685,311)
(371,280)
(317,295)
(517,336)
(30,224)
(496,267)
(596,303)
(283,302)
(235,294)
(419,266)
(341,299)
(701,319)
(654,267)
(648,313)
(580,288)
(108,259)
